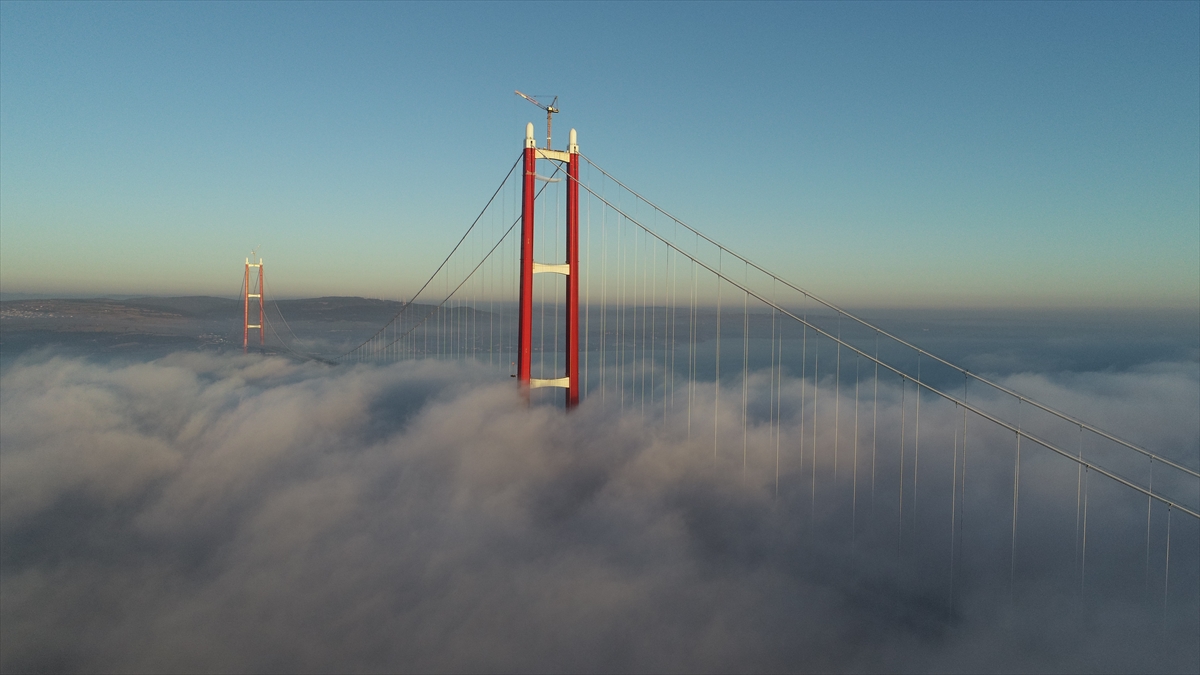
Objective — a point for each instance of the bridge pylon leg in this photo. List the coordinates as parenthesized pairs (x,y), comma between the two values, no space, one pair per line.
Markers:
(525,301)
(572,360)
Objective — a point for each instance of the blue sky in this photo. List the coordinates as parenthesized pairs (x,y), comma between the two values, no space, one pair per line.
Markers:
(963,154)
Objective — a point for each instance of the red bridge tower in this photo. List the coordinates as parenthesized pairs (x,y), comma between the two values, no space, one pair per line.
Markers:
(570,381)
(258,293)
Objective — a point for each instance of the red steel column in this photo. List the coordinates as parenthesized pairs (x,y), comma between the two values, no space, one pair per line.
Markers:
(246,307)
(262,334)
(573,275)
(525,312)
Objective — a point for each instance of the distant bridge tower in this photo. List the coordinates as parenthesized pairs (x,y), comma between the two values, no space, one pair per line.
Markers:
(570,380)
(247,294)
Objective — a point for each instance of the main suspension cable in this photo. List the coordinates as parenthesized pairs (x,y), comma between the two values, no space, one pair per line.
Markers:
(945,395)
(863,322)
(412,301)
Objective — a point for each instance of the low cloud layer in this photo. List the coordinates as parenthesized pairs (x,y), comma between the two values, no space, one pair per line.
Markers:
(214,513)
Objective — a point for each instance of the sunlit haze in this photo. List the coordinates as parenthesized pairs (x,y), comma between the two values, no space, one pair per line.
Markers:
(939,155)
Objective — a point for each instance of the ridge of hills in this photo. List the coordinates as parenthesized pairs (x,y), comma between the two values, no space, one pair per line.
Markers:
(329,308)
(159,325)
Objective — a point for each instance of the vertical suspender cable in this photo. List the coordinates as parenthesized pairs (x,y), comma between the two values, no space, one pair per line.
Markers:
(1167,566)
(541,291)
(779,407)
(1012,564)
(587,292)
(1083,554)
(638,267)
(692,337)
(962,510)
(653,318)
(916,444)
(717,381)
(623,320)
(854,473)
(953,509)
(803,389)
(487,292)
(1078,494)
(816,393)
(695,340)
(874,424)
(903,420)
(773,392)
(647,302)
(604,275)
(745,375)
(837,399)
(634,381)
(674,314)
(1150,488)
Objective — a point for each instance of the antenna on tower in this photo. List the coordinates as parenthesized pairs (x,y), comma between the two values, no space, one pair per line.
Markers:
(550,110)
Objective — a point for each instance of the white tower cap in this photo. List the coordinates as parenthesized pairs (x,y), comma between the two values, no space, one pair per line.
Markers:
(573,147)
(529,142)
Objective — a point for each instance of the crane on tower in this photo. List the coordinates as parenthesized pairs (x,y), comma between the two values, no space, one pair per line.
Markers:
(550,110)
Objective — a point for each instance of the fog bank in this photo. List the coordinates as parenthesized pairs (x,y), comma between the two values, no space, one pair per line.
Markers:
(241,513)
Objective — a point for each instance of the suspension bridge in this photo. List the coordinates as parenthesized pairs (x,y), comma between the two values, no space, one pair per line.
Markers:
(582,290)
